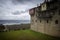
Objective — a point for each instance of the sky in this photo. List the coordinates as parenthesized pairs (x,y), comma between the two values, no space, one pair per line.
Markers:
(17,9)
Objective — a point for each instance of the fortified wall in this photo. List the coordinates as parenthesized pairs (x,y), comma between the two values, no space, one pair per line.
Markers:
(46,18)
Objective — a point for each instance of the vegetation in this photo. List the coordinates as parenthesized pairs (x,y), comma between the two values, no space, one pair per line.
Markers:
(25,35)
(2,27)
(17,26)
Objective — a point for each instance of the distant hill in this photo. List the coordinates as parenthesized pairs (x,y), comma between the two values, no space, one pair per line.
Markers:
(18,26)
(14,21)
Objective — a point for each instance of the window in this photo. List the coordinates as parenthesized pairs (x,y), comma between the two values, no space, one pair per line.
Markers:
(56,22)
(40,21)
(59,12)
(47,21)
(36,20)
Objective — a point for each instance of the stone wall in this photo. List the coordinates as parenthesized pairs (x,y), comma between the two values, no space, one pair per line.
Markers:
(50,27)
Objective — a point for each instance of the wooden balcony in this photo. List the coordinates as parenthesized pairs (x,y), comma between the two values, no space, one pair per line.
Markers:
(44,16)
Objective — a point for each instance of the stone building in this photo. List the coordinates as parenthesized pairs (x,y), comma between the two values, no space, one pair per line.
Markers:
(46,18)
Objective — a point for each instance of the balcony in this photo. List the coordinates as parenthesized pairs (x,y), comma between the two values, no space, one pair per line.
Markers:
(44,15)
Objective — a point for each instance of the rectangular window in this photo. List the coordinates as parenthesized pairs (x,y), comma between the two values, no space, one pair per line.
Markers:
(40,21)
(59,12)
(35,20)
(47,21)
(56,22)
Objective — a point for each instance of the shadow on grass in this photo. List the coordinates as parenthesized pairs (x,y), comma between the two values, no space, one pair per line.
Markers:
(25,35)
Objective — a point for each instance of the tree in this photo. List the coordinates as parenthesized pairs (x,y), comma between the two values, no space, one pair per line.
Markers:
(2,27)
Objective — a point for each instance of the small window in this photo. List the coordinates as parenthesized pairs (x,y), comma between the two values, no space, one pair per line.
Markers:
(56,22)
(40,21)
(59,12)
(47,21)
(36,20)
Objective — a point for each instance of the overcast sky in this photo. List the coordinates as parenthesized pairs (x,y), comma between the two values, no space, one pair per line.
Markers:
(16,9)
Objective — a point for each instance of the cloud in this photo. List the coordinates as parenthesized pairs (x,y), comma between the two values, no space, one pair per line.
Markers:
(26,1)
(25,16)
(20,1)
(16,9)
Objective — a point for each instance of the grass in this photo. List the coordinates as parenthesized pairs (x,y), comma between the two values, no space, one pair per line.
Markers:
(25,35)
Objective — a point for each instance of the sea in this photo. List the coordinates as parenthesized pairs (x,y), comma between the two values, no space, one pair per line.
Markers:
(11,22)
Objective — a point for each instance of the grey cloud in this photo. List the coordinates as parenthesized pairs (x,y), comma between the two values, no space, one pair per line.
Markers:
(26,1)
(19,12)
(20,1)
(16,13)
(10,7)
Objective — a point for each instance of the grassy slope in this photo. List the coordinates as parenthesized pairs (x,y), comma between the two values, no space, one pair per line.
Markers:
(25,35)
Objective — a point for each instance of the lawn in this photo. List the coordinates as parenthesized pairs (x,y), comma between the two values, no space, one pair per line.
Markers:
(25,35)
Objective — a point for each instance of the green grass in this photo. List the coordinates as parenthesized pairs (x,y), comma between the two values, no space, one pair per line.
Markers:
(25,35)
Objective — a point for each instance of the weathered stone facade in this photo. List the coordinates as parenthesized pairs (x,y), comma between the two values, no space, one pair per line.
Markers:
(46,18)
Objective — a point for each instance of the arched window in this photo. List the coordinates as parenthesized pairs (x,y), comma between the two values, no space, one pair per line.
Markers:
(56,22)
(59,12)
(35,20)
(47,21)
(40,21)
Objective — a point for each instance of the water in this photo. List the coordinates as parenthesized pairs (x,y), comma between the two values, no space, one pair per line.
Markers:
(9,22)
